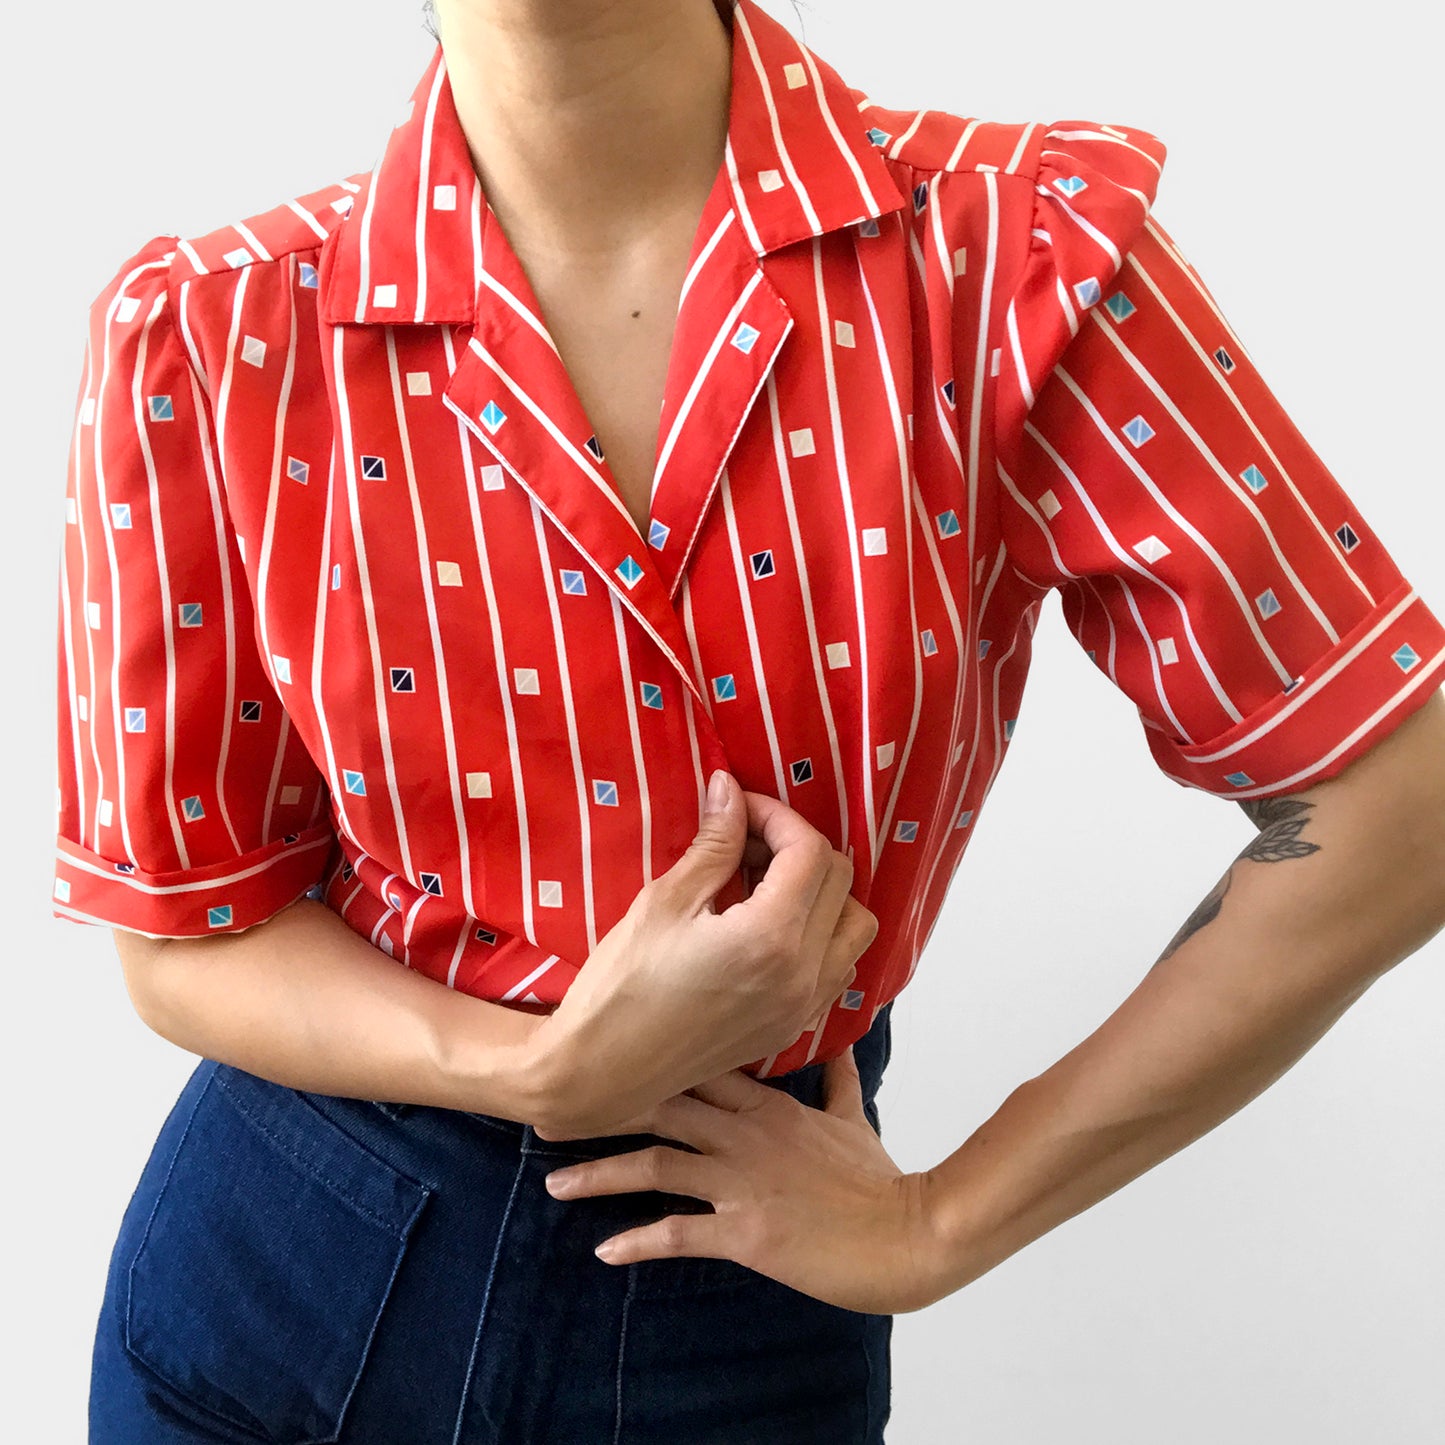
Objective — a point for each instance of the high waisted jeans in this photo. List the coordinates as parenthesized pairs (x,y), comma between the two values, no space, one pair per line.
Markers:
(296,1267)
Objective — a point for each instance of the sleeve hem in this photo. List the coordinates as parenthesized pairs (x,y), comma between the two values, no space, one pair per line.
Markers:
(1374,677)
(224,897)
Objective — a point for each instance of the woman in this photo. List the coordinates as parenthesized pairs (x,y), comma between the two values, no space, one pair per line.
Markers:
(611,530)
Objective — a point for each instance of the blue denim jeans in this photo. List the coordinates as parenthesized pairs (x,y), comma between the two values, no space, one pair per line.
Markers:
(296,1267)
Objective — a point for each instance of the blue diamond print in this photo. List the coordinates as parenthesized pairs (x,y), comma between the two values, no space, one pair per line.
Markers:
(930,643)
(905,832)
(309,277)
(802,770)
(948,391)
(762,564)
(1238,780)
(1138,431)
(852,999)
(1267,602)
(657,534)
(353,782)
(335,576)
(1119,306)
(604,791)
(403,679)
(745,336)
(219,916)
(1254,479)
(1088,292)
(595,447)
(868,226)
(1008,728)
(120,514)
(964,818)
(297,471)
(1225,360)
(431,883)
(984,643)
(1071,185)
(920,196)
(1290,686)
(190,614)
(125,867)
(160,408)
(629,570)
(493,416)
(192,808)
(651,695)
(878,137)
(135,719)
(574,582)
(724,687)
(374,468)
(948,523)
(1405,657)
(1345,536)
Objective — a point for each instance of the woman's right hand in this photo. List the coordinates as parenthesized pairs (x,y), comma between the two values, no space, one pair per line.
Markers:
(678,992)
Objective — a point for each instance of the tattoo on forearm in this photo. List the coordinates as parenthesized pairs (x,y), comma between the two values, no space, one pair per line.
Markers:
(1280,822)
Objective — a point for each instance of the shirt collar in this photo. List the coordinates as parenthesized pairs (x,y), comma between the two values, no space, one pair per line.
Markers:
(798,163)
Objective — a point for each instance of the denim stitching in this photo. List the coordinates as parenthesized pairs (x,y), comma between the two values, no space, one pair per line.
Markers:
(487,1300)
(621,1346)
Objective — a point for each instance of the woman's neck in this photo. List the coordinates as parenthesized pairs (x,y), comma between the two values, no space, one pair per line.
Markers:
(591,122)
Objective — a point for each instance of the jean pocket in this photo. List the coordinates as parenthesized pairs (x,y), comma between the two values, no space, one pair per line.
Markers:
(267,1260)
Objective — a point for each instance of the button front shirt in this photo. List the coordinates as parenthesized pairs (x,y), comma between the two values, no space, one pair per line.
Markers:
(350,604)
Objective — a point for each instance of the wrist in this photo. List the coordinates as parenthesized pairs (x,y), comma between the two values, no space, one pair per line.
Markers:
(501,1069)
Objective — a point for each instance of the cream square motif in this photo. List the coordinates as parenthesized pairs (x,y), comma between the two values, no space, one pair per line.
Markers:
(770,180)
(241,546)
(493,478)
(996,363)
(960,261)
(443,198)
(838,655)
(418,383)
(479,785)
(87,411)
(92,613)
(549,893)
(1151,549)
(885,755)
(843,333)
(253,350)
(106,812)
(384,296)
(875,541)
(449,574)
(82,706)
(795,74)
(910,426)
(290,795)
(126,308)
(342,205)
(524,679)
(70,509)
(1168,652)
(800,442)
(1049,503)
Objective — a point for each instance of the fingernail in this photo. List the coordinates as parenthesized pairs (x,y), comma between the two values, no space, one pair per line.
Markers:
(605,1250)
(557,1183)
(717,791)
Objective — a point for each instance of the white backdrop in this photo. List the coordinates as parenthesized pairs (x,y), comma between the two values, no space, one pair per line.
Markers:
(1281,1279)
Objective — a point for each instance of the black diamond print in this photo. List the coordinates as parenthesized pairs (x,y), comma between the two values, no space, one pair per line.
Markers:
(1345,535)
(802,770)
(402,680)
(762,563)
(346,871)
(485,935)
(374,468)
(432,883)
(1225,360)
(290,837)
(250,712)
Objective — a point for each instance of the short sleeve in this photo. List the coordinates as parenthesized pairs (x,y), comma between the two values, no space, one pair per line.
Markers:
(1207,560)
(186,802)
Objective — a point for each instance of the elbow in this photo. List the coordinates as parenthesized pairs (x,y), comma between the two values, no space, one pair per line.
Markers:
(140,956)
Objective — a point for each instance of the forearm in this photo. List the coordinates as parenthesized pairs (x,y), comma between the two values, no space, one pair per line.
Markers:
(1292,934)
(305,1001)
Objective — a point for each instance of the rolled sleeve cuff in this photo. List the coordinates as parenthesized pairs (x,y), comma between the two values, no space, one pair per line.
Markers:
(223,897)
(1374,677)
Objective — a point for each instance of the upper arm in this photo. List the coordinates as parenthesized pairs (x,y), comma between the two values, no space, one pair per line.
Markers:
(171,741)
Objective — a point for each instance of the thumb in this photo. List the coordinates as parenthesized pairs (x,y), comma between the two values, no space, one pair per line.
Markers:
(842,1087)
(716,851)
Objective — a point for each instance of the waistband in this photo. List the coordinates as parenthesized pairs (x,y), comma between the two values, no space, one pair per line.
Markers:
(871,1053)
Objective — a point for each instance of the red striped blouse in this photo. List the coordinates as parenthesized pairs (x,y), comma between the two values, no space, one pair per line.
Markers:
(349,603)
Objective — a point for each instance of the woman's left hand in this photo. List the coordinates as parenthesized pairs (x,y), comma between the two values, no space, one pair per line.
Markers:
(808,1196)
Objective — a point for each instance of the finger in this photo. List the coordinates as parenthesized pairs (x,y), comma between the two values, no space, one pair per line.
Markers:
(842,1086)
(819,934)
(798,859)
(673,1171)
(733,1091)
(699,1235)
